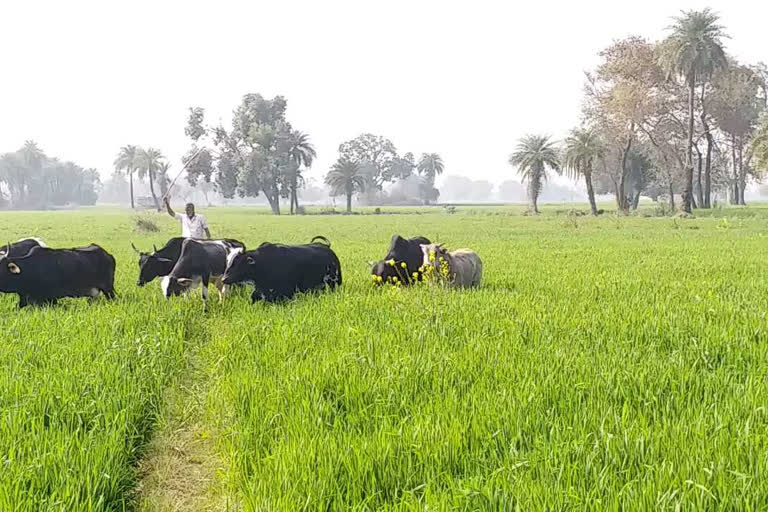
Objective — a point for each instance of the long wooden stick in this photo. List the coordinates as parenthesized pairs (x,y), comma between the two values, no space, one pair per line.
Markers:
(168,192)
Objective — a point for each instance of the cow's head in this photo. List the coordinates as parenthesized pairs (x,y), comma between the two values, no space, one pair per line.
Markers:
(151,265)
(434,254)
(242,266)
(385,271)
(175,286)
(10,271)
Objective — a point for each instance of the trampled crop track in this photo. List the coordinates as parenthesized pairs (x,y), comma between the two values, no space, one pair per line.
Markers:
(181,469)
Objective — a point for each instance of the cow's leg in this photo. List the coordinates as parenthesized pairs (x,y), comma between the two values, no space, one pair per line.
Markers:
(22,302)
(205,292)
(276,296)
(257,295)
(221,287)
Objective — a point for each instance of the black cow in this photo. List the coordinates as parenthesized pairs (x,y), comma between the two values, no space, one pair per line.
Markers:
(44,275)
(160,262)
(401,250)
(199,261)
(21,247)
(278,271)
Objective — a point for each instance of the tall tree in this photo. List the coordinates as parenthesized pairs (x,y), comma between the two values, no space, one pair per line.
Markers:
(149,161)
(693,51)
(583,148)
(619,99)
(303,154)
(254,157)
(430,166)
(736,108)
(346,178)
(533,155)
(127,161)
(376,155)
(759,146)
(162,178)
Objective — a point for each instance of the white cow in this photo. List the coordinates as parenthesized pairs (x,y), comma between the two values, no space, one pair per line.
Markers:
(465,268)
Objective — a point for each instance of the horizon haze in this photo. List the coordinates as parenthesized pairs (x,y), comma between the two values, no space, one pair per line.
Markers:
(464,82)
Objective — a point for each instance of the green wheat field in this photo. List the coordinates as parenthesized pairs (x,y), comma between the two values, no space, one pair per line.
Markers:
(612,363)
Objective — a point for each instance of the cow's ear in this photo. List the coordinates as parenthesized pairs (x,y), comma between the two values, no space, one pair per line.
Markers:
(14,268)
(184,281)
(250,261)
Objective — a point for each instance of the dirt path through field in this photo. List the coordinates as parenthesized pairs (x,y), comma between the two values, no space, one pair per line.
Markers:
(181,470)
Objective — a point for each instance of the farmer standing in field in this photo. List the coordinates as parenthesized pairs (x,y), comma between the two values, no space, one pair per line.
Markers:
(192,226)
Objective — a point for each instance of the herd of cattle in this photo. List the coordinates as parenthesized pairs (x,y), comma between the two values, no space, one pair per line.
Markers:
(40,275)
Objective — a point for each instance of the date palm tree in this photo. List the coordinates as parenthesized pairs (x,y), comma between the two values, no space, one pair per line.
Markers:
(346,177)
(430,166)
(162,177)
(127,161)
(693,51)
(303,154)
(582,148)
(149,161)
(533,155)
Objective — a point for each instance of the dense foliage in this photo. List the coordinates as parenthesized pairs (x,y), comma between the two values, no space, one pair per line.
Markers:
(29,179)
(676,116)
(262,154)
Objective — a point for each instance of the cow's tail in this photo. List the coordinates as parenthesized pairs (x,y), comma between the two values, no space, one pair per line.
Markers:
(322,239)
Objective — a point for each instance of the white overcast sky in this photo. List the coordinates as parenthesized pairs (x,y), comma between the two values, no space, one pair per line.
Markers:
(464,79)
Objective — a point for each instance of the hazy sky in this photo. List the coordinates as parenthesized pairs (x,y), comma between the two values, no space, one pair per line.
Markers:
(464,79)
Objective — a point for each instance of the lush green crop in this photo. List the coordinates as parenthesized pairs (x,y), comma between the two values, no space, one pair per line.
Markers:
(611,363)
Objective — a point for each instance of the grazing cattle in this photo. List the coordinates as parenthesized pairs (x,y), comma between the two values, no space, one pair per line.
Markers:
(21,247)
(278,271)
(401,250)
(160,262)
(464,267)
(199,262)
(44,275)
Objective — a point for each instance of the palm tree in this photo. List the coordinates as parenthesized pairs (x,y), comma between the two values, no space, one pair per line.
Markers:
(162,177)
(430,165)
(302,153)
(149,161)
(693,51)
(345,177)
(127,161)
(534,153)
(582,148)
(33,156)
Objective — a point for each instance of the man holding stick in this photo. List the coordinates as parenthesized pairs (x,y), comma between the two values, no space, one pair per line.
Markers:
(192,225)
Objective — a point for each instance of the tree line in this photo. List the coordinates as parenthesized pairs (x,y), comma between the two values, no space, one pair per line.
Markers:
(368,161)
(29,179)
(677,116)
(261,154)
